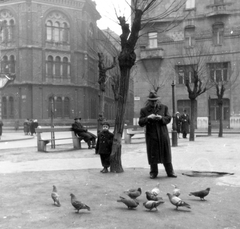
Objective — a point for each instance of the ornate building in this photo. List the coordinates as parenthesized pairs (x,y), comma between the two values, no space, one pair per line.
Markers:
(51,46)
(210,24)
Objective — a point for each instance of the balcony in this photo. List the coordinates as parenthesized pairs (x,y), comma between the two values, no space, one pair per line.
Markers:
(218,10)
(156,53)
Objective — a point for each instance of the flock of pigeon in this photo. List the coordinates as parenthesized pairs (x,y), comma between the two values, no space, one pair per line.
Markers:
(153,198)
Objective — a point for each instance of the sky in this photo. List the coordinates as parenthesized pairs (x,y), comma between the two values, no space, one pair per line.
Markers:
(107,8)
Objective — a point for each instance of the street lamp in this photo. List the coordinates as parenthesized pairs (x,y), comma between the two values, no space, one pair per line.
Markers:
(5,79)
(209,117)
(174,125)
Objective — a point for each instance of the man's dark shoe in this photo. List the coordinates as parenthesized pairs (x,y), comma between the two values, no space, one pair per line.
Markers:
(153,176)
(105,170)
(172,175)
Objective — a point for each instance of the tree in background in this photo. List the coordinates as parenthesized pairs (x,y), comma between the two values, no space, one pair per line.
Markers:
(192,71)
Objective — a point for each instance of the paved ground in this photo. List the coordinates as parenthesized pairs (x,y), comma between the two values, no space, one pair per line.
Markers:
(26,176)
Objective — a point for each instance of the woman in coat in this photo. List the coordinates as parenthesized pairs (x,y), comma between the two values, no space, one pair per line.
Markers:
(155,117)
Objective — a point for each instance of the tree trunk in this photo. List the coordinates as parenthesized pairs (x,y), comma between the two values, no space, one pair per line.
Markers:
(101,109)
(220,133)
(115,159)
(192,121)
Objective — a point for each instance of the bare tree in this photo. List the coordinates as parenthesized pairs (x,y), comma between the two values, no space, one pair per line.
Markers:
(193,65)
(222,83)
(126,60)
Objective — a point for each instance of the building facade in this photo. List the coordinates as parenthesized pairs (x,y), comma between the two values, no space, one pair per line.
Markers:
(52,46)
(213,26)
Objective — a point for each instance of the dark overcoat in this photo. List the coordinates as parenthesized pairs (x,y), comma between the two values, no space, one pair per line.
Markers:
(1,124)
(104,142)
(82,131)
(157,136)
(185,120)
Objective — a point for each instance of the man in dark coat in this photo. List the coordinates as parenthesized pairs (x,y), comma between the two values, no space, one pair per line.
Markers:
(1,125)
(155,118)
(185,120)
(104,146)
(82,131)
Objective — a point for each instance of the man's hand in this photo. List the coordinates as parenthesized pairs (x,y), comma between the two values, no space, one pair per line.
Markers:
(151,116)
(159,117)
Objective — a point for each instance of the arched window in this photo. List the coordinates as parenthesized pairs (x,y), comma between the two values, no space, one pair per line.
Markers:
(11,29)
(90,35)
(12,64)
(65,32)
(65,67)
(49,31)
(50,66)
(4,31)
(58,112)
(57,31)
(66,106)
(7,107)
(58,67)
(4,64)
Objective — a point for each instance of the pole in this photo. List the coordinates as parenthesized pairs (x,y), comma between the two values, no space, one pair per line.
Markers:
(52,124)
(209,117)
(0,104)
(174,125)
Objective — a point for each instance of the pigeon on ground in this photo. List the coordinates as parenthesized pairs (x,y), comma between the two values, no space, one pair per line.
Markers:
(156,191)
(201,193)
(55,196)
(130,203)
(78,205)
(151,196)
(152,204)
(133,193)
(177,201)
(176,190)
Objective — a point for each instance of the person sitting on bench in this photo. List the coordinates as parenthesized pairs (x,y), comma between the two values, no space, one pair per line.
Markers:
(82,132)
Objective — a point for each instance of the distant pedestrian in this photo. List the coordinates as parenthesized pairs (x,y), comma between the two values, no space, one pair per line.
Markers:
(104,146)
(155,117)
(185,120)
(178,123)
(26,128)
(1,125)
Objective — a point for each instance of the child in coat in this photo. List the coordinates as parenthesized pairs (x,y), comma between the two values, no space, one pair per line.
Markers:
(104,146)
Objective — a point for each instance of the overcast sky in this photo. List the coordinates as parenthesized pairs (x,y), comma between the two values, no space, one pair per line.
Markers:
(107,10)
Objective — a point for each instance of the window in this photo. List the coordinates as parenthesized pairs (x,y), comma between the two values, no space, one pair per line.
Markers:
(185,72)
(216,2)
(50,66)
(12,64)
(153,43)
(8,107)
(8,26)
(60,107)
(190,4)
(57,28)
(65,67)
(214,110)
(189,36)
(58,67)
(218,30)
(219,72)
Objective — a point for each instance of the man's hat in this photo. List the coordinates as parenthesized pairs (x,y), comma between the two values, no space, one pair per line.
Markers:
(105,124)
(153,96)
(77,119)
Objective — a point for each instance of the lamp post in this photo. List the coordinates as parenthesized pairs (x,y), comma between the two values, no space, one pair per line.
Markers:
(209,117)
(5,79)
(174,125)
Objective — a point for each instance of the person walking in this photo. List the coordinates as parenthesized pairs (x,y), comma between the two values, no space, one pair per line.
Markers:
(155,117)
(82,131)
(1,125)
(104,146)
(185,120)
(178,123)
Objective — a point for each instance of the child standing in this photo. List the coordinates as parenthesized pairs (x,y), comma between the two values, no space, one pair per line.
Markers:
(104,146)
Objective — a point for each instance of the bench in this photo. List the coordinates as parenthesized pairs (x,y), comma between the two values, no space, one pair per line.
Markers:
(130,131)
(42,143)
